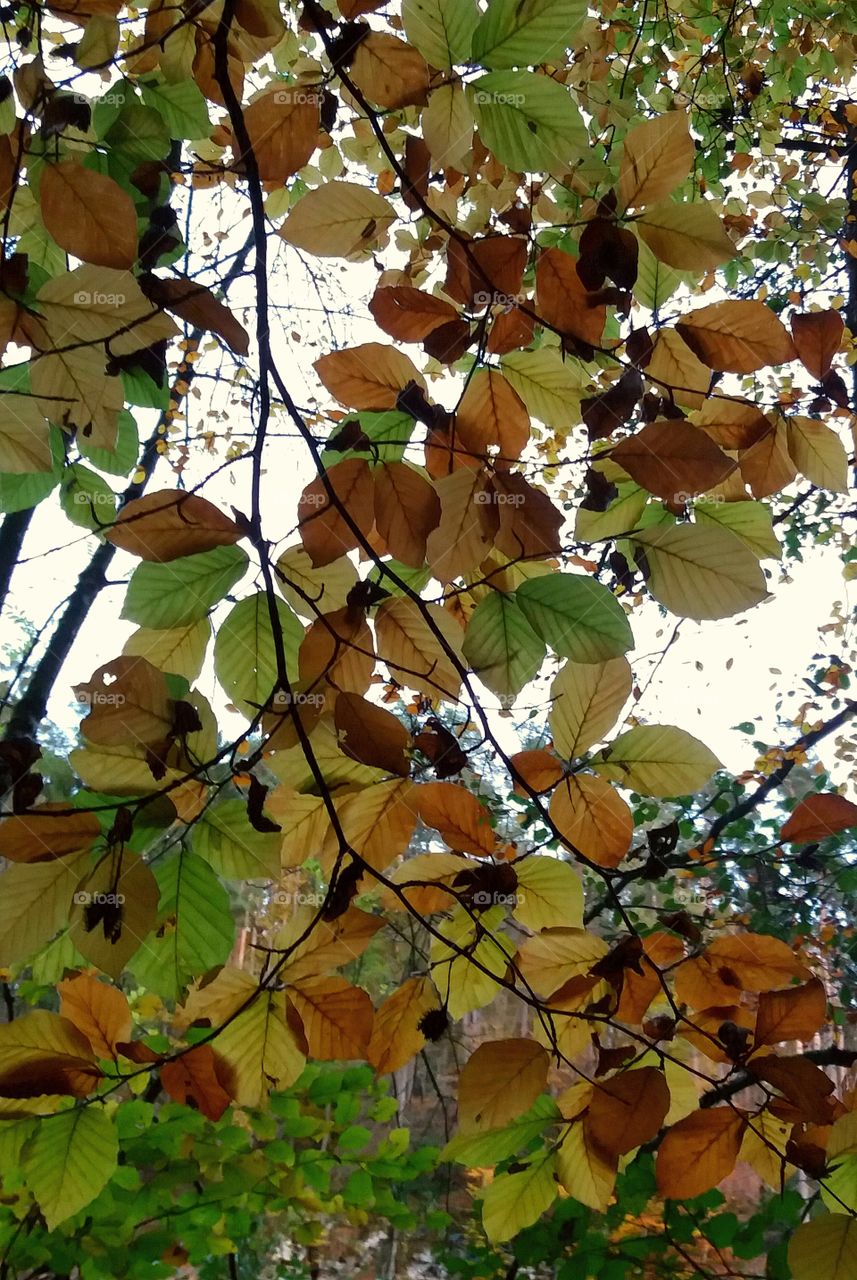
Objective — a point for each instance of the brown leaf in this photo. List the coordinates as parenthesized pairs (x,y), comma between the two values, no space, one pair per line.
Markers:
(510,330)
(283,126)
(128,703)
(407,509)
(611,408)
(168,524)
(397,1036)
(199,307)
(337,650)
(369,376)
(458,815)
(529,522)
(41,1053)
(656,157)
(449,343)
(819,816)
(88,214)
(628,1110)
(409,314)
(390,72)
(100,1011)
(492,414)
(673,460)
(324,531)
(767,466)
(737,336)
(699,1152)
(817,336)
(793,1014)
(799,1080)
(481,272)
(43,834)
(370,734)
(338,1018)
(563,300)
(733,424)
(199,1078)
(500,1081)
(607,251)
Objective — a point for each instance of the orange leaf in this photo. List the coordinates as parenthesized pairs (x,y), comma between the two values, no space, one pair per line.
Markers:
(593,818)
(168,524)
(324,531)
(283,126)
(737,336)
(367,377)
(793,1014)
(754,961)
(538,768)
(819,816)
(337,1018)
(817,336)
(397,1037)
(409,314)
(699,1152)
(198,1077)
(88,214)
(564,301)
(458,815)
(100,1011)
(628,1110)
(407,510)
(501,1080)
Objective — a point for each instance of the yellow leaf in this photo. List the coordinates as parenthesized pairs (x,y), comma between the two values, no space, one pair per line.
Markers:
(34,903)
(824,1249)
(41,1053)
(689,237)
(658,760)
(549,894)
(517,1200)
(339,220)
(592,818)
(818,453)
(701,571)
(587,1174)
(407,643)
(656,157)
(586,699)
(550,959)
(500,1080)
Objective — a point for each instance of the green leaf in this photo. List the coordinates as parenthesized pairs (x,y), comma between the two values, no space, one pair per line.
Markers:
(658,760)
(749,521)
(516,33)
(196,930)
(488,1148)
(529,122)
(622,515)
(181,106)
(86,498)
(701,571)
(69,1161)
(547,385)
(20,491)
(501,646)
(577,616)
(245,659)
(442,30)
(119,460)
(227,842)
(517,1200)
(138,134)
(173,594)
(656,283)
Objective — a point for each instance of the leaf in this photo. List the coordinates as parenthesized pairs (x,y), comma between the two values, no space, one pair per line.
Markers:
(282,126)
(409,314)
(195,931)
(824,1249)
(367,377)
(459,543)
(457,814)
(442,30)
(674,368)
(338,220)
(447,124)
(70,1160)
(224,839)
(86,498)
(593,819)
(737,336)
(750,521)
(331,943)
(396,1036)
(513,1201)
(816,336)
(166,525)
(586,698)
(407,509)
(25,444)
(44,833)
(414,655)
(196,1077)
(165,596)
(34,904)
(657,156)
(818,453)
(656,282)
(500,1081)
(546,384)
(100,1011)
(699,1152)
(371,735)
(673,460)
(587,1173)
(816,817)
(260,1047)
(627,1110)
(701,571)
(793,1014)
(390,72)
(529,122)
(115,907)
(491,413)
(550,959)
(181,106)
(766,466)
(549,894)
(687,237)
(337,1018)
(245,650)
(88,214)
(179,651)
(200,308)
(304,586)
(576,615)
(128,701)
(98,304)
(513,33)
(41,1053)
(755,961)
(501,646)
(489,1148)
(563,300)
(347,489)
(539,769)
(658,760)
